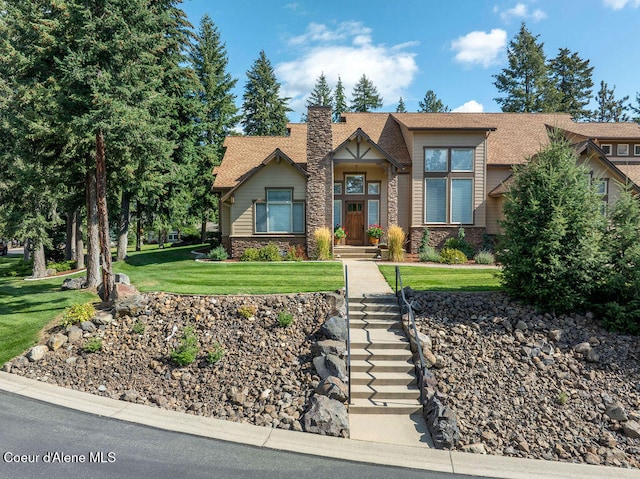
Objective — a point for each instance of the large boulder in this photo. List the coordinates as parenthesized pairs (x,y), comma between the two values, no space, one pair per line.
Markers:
(326,417)
(442,424)
(335,328)
(74,283)
(333,388)
(37,353)
(329,346)
(130,306)
(56,341)
(337,367)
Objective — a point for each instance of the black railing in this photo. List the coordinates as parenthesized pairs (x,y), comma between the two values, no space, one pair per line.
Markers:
(346,299)
(405,305)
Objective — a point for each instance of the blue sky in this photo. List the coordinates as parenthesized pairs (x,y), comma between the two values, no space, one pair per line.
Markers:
(407,47)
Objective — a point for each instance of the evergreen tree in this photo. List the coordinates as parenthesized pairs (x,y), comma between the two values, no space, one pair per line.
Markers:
(524,82)
(217,116)
(339,101)
(320,95)
(401,108)
(365,96)
(571,77)
(610,109)
(432,104)
(265,113)
(551,252)
(636,108)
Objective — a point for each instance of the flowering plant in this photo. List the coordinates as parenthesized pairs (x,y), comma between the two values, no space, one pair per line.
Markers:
(339,233)
(375,231)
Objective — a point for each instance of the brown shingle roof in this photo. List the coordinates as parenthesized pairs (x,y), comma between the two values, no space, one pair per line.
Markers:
(606,131)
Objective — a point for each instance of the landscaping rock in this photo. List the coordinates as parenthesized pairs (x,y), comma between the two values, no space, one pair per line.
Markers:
(335,328)
(337,367)
(129,306)
(631,429)
(442,424)
(121,278)
(74,334)
(329,346)
(88,326)
(103,318)
(37,353)
(56,341)
(616,412)
(122,291)
(477,448)
(18,363)
(326,417)
(74,284)
(333,388)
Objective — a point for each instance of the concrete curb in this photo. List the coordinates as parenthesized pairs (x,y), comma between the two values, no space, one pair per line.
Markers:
(414,457)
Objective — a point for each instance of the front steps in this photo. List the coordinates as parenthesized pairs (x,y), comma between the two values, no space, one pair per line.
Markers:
(382,371)
(356,252)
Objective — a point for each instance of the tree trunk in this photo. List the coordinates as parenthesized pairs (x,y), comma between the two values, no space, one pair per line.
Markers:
(26,251)
(79,241)
(93,239)
(138,226)
(70,243)
(39,261)
(103,216)
(203,230)
(123,232)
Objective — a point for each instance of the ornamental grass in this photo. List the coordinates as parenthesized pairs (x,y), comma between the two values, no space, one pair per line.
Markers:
(396,237)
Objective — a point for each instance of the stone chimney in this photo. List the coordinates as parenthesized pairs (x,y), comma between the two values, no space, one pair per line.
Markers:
(320,170)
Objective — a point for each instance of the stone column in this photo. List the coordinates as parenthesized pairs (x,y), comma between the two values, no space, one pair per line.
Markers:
(392,195)
(320,170)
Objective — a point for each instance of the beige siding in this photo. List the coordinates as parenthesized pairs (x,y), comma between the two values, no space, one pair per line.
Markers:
(404,201)
(358,150)
(599,170)
(273,175)
(445,139)
(495,176)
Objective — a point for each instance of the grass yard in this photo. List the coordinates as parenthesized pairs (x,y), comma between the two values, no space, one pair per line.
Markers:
(173,270)
(443,279)
(26,307)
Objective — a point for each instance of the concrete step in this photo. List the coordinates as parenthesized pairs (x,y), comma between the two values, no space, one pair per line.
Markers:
(376,299)
(376,354)
(342,255)
(375,366)
(383,379)
(375,324)
(374,307)
(381,338)
(384,393)
(373,314)
(391,406)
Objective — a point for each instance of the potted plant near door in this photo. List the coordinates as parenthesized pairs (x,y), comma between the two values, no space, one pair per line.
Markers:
(375,232)
(339,234)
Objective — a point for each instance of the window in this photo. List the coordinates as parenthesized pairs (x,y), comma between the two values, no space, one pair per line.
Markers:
(354,184)
(373,212)
(636,150)
(373,188)
(623,150)
(337,188)
(279,214)
(337,213)
(606,149)
(449,185)
(601,186)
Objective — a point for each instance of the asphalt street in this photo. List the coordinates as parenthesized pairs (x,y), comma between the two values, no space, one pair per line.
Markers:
(37,438)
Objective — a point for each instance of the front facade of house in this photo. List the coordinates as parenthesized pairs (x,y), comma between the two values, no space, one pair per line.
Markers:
(417,170)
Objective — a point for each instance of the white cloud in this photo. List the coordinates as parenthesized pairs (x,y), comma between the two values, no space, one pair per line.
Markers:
(620,4)
(471,106)
(521,10)
(348,51)
(480,47)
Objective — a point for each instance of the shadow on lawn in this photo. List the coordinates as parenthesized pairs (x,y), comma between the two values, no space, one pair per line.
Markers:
(162,256)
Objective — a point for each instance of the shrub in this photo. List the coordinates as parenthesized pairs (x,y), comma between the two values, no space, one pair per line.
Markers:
(562,398)
(216,353)
(93,345)
(61,266)
(460,243)
(396,237)
(250,254)
(429,253)
(285,319)
(218,253)
(138,327)
(484,257)
(20,268)
(323,237)
(269,252)
(294,253)
(78,313)
(187,349)
(424,241)
(452,256)
(247,311)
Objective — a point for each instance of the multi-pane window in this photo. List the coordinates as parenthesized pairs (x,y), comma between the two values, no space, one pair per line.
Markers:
(279,213)
(449,185)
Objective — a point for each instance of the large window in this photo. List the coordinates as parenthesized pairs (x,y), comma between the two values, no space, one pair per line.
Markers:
(449,185)
(279,213)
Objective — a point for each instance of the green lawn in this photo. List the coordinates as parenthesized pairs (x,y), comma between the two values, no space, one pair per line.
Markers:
(26,307)
(443,279)
(173,270)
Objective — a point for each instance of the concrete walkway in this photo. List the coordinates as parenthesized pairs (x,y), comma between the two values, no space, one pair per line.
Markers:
(365,279)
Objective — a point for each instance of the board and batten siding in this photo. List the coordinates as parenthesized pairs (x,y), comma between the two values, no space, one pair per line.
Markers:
(448,140)
(273,175)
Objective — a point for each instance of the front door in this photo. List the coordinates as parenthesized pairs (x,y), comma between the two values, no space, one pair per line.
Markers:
(355,223)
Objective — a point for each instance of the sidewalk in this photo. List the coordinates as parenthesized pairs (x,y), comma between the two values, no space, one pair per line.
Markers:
(365,279)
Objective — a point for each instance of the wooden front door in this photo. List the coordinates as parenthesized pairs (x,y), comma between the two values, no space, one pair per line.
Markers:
(355,223)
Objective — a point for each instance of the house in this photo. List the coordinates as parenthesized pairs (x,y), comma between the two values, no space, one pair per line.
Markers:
(416,170)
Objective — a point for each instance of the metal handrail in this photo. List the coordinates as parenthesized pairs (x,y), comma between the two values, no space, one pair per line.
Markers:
(412,318)
(346,296)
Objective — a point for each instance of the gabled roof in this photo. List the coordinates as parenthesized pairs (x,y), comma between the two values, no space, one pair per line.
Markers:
(360,135)
(605,131)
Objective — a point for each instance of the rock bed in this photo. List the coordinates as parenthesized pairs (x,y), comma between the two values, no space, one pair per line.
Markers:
(265,377)
(537,386)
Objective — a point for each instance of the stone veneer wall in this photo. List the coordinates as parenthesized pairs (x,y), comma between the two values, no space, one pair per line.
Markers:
(237,245)
(392,195)
(320,170)
(439,234)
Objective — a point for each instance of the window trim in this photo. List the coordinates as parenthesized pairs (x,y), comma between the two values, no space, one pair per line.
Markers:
(370,183)
(364,184)
(636,150)
(377,221)
(621,153)
(290,202)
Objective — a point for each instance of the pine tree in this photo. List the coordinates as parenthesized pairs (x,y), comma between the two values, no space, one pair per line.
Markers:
(525,81)
(217,116)
(432,104)
(265,113)
(636,108)
(365,96)
(339,101)
(401,108)
(609,109)
(571,77)
(320,95)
